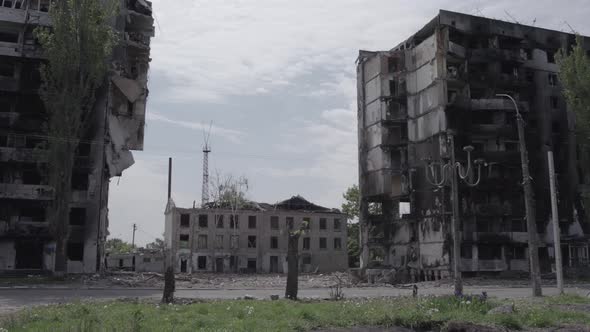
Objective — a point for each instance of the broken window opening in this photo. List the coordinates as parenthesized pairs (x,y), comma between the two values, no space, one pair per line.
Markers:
(79,181)
(234,241)
(554,101)
(185,220)
(482,117)
(274,242)
(511,146)
(488,252)
(290,223)
(552,78)
(183,241)
(203,220)
(202,241)
(323,224)
(517,252)
(234,221)
(551,56)
(306,243)
(75,251)
(251,265)
(251,241)
(8,37)
(323,243)
(337,224)
(147,260)
(77,216)
(34,214)
(7,69)
(306,260)
(252,222)
(466,251)
(337,243)
(218,241)
(219,221)
(274,222)
(32,176)
(202,262)
(306,223)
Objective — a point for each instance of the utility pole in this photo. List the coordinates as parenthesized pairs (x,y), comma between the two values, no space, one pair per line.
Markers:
(133,238)
(205,184)
(529,202)
(555,222)
(455,223)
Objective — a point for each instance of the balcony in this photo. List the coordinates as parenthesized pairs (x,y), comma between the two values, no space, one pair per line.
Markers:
(491,265)
(26,191)
(487,54)
(8,83)
(23,229)
(22,155)
(456,50)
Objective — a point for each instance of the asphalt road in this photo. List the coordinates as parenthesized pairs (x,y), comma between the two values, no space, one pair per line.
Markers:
(12,299)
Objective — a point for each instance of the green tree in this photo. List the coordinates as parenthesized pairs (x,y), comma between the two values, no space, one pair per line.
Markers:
(118,246)
(574,75)
(350,208)
(76,48)
(158,244)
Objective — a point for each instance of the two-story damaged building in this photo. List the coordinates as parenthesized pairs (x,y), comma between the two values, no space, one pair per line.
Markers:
(117,128)
(437,88)
(254,237)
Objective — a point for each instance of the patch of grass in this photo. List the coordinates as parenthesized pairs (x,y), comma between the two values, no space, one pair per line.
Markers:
(567,299)
(429,313)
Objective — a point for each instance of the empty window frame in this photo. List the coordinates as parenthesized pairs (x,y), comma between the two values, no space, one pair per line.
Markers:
(337,225)
(466,251)
(274,222)
(552,79)
(306,243)
(488,252)
(337,243)
(290,223)
(251,241)
(306,223)
(323,224)
(323,243)
(306,260)
(234,221)
(79,181)
(77,216)
(234,242)
(203,221)
(75,251)
(252,222)
(7,69)
(274,242)
(185,220)
(202,262)
(554,102)
(8,37)
(202,241)
(183,241)
(218,241)
(219,221)
(34,214)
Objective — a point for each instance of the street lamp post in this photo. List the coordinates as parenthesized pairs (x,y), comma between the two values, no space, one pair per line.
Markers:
(466,175)
(529,203)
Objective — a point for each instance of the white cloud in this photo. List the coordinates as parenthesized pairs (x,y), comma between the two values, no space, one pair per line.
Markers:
(232,135)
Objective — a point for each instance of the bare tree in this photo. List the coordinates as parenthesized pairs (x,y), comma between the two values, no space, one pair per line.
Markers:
(293,261)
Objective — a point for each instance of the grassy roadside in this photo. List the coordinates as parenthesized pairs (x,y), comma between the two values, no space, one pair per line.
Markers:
(243,315)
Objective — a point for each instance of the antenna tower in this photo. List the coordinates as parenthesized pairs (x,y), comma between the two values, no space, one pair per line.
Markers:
(206,150)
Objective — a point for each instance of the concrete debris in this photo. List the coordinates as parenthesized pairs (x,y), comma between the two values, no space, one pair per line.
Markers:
(130,88)
(503,309)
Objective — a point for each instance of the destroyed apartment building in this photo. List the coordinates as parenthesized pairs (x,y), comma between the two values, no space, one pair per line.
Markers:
(253,238)
(117,128)
(436,90)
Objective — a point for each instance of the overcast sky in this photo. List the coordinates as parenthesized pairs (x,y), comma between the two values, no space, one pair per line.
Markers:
(277,78)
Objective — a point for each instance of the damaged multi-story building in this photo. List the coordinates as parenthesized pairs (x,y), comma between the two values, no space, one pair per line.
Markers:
(440,87)
(254,237)
(104,152)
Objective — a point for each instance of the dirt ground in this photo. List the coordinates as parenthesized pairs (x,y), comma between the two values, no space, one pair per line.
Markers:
(247,281)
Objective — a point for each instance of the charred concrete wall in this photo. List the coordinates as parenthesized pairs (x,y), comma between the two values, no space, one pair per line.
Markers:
(25,195)
(443,82)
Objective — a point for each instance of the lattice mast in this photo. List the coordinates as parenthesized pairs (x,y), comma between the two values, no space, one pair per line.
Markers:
(206,150)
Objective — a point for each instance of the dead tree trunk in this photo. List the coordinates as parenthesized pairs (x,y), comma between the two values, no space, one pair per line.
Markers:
(169,282)
(292,260)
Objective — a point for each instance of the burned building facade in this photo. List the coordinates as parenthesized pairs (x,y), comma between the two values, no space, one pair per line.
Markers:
(436,90)
(254,237)
(117,128)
